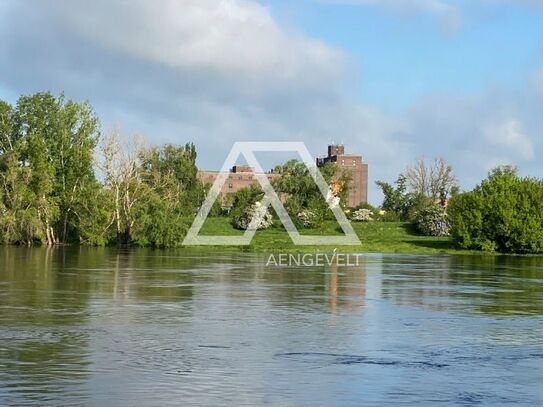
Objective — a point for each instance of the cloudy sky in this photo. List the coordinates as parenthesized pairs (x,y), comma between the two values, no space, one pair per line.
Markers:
(392,79)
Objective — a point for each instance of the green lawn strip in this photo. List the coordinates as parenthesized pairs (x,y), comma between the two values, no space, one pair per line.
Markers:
(376,237)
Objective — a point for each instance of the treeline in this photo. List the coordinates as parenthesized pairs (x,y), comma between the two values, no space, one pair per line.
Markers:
(62,182)
(504,213)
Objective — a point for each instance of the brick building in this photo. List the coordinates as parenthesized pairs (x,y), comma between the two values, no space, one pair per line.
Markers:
(355,166)
(243,176)
(240,176)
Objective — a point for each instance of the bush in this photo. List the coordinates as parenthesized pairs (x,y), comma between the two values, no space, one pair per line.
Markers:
(364,205)
(432,221)
(362,215)
(417,203)
(306,218)
(387,216)
(504,213)
(242,200)
(262,215)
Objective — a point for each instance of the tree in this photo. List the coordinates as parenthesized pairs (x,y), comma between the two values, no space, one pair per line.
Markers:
(242,200)
(398,200)
(174,194)
(302,192)
(120,164)
(435,180)
(503,213)
(49,192)
(153,191)
(20,221)
(48,143)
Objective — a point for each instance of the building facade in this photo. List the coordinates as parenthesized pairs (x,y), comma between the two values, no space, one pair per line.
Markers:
(353,165)
(240,176)
(243,176)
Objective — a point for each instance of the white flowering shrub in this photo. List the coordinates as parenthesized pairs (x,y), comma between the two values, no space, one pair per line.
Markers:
(332,200)
(263,217)
(432,221)
(307,218)
(362,215)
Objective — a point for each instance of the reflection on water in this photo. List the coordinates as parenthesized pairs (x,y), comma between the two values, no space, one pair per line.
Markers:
(142,327)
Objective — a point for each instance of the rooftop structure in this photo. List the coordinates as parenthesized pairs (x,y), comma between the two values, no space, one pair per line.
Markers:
(355,166)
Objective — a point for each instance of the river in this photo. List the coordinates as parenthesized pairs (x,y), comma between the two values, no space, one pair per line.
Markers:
(108,327)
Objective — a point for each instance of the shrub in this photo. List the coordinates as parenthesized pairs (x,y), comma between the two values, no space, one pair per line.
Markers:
(387,216)
(261,214)
(504,213)
(241,200)
(417,204)
(432,221)
(365,205)
(362,215)
(306,218)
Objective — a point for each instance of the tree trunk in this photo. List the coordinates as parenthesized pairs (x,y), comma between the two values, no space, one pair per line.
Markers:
(64,228)
(48,234)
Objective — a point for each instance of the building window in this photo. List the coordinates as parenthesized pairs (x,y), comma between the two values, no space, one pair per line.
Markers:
(354,162)
(230,185)
(240,177)
(342,162)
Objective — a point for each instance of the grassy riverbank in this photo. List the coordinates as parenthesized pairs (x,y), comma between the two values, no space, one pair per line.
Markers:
(382,237)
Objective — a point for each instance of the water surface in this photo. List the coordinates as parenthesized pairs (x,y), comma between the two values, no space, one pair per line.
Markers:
(97,327)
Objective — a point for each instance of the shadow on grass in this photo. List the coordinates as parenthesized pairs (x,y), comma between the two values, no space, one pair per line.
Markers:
(428,242)
(410,229)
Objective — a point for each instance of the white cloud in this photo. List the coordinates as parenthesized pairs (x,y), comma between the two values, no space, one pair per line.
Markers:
(228,38)
(509,134)
(215,72)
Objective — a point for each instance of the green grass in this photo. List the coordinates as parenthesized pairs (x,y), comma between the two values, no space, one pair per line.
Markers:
(376,237)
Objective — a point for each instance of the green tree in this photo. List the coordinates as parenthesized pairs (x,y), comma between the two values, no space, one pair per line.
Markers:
(504,213)
(243,199)
(47,143)
(302,192)
(173,195)
(153,191)
(399,202)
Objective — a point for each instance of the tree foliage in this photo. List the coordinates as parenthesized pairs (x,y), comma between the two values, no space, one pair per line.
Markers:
(504,213)
(399,203)
(421,186)
(46,167)
(49,192)
(303,195)
(243,199)
(153,191)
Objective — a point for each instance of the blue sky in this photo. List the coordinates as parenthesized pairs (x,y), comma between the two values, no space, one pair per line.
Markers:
(393,79)
(400,58)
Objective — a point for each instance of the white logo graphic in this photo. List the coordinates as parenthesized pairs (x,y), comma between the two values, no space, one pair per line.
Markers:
(247,149)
